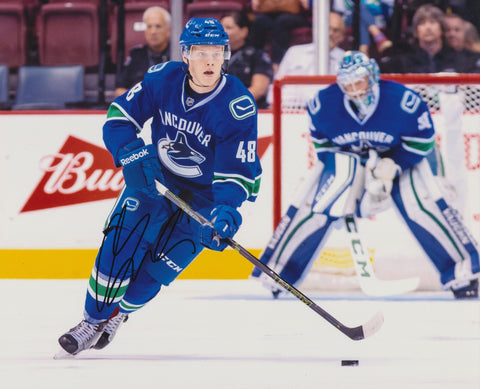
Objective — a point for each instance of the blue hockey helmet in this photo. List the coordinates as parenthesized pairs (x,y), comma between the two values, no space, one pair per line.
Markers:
(355,66)
(204,31)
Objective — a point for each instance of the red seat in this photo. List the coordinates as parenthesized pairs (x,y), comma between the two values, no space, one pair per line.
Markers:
(212,9)
(244,3)
(13,33)
(134,27)
(68,33)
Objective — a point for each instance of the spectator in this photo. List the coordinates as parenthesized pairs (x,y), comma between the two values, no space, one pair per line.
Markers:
(454,31)
(299,60)
(472,39)
(252,66)
(157,49)
(368,23)
(432,54)
(276,19)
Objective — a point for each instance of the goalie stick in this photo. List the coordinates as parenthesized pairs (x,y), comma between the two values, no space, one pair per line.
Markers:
(347,172)
(354,333)
(369,283)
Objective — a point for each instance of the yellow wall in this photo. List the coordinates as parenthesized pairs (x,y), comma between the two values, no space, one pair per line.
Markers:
(61,264)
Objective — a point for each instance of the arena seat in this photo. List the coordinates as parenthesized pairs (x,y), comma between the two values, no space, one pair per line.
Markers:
(134,28)
(4,98)
(13,32)
(213,9)
(59,43)
(49,87)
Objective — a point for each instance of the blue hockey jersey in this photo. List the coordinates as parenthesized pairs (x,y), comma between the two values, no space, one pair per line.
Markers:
(400,127)
(207,145)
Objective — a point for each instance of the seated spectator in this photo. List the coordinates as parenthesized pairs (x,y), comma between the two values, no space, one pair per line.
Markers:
(299,60)
(472,38)
(431,55)
(369,10)
(454,31)
(252,66)
(157,49)
(274,21)
(455,35)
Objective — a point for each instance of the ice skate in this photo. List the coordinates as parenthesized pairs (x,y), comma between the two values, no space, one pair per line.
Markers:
(469,291)
(110,329)
(81,337)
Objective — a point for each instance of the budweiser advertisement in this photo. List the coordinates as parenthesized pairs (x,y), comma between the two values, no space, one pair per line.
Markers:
(60,183)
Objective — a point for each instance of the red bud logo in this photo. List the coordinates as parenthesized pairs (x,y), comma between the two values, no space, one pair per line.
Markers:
(79,173)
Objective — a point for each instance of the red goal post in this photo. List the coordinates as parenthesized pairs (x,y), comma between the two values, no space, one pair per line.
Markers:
(471,105)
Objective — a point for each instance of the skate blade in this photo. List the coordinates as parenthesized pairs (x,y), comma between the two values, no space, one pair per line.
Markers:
(62,354)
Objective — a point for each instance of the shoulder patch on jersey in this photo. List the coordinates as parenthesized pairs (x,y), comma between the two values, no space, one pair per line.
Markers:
(314,104)
(157,67)
(242,107)
(410,102)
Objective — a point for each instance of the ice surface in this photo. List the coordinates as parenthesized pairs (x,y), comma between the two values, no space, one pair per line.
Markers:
(231,334)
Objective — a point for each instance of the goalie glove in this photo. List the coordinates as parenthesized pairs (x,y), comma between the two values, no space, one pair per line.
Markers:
(226,222)
(141,166)
(379,176)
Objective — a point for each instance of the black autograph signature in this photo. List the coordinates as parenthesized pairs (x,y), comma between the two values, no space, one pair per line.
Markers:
(157,252)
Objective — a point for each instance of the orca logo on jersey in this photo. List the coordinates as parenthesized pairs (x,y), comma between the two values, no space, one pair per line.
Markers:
(242,107)
(172,153)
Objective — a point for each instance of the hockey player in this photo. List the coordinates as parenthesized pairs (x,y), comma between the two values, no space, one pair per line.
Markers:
(372,138)
(204,149)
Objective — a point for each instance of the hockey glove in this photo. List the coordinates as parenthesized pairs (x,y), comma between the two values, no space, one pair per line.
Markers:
(379,177)
(140,166)
(226,221)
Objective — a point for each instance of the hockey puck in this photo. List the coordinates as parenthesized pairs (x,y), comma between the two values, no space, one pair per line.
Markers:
(349,362)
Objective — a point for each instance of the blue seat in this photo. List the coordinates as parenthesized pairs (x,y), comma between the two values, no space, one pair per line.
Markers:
(4,99)
(49,87)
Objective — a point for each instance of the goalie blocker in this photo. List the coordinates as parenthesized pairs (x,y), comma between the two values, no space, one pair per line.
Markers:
(336,188)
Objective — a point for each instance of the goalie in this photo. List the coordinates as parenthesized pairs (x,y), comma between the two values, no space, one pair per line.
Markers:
(372,138)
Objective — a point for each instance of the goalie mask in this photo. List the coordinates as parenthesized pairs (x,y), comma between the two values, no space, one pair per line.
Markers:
(358,78)
(204,31)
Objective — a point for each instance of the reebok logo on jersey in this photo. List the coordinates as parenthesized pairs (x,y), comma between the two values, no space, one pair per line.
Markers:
(134,157)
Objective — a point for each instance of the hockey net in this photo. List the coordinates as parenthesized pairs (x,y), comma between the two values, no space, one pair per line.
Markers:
(454,102)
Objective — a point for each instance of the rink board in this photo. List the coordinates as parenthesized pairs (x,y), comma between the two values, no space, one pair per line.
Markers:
(59,184)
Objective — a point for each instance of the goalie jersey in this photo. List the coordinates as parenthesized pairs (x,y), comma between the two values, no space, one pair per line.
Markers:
(398,126)
(199,145)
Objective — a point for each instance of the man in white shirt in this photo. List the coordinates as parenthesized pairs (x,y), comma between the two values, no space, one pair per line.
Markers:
(299,60)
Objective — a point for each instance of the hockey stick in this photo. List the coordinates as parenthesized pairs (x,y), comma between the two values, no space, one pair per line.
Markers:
(369,283)
(355,333)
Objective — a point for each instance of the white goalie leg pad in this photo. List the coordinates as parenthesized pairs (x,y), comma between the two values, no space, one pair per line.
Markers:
(330,192)
(282,242)
(454,251)
(341,185)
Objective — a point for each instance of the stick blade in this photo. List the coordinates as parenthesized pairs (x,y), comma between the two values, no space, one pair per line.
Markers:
(373,325)
(379,288)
